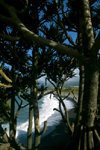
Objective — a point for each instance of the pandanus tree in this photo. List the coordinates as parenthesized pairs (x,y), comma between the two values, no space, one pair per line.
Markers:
(62,70)
(83,137)
(30,75)
(13,75)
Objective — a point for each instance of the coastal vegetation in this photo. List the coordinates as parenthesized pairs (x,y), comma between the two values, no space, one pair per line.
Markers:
(35,41)
(68,89)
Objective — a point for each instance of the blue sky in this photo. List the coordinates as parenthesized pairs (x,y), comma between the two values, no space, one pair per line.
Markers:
(73,81)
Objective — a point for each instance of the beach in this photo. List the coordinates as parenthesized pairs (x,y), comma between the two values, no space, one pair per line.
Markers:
(59,137)
(57,132)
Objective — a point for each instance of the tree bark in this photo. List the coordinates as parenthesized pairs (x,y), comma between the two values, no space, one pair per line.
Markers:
(85,139)
(29,138)
(16,23)
(12,116)
(81,82)
(35,100)
(80,97)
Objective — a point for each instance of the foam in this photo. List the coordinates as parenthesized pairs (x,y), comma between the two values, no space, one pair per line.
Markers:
(45,113)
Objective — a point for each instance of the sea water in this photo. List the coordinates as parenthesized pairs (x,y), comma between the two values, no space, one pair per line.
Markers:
(46,113)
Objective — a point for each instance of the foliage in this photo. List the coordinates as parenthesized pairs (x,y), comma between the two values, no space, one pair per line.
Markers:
(6,106)
(74,18)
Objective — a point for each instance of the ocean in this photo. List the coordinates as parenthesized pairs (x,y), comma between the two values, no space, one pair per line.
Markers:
(46,113)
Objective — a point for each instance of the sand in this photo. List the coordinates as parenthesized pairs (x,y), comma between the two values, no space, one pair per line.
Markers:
(60,136)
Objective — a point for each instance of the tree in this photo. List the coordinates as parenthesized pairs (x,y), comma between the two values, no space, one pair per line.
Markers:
(6,106)
(88,59)
(33,81)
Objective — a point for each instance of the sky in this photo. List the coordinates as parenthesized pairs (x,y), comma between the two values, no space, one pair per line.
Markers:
(71,82)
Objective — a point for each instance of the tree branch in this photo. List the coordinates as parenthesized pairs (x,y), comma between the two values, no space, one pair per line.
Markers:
(5,77)
(4,146)
(12,142)
(3,74)
(67,17)
(51,82)
(4,110)
(56,96)
(24,105)
(66,96)
(62,26)
(7,86)
(94,50)
(41,75)
(44,128)
(42,94)
(23,10)
(19,107)
(10,38)
(15,54)
(29,35)
(66,116)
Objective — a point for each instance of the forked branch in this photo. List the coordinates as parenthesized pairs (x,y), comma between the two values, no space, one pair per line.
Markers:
(15,22)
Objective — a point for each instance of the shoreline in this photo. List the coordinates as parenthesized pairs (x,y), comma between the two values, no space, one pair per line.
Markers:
(59,137)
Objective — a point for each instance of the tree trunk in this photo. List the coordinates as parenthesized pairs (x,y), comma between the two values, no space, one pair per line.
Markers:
(80,97)
(29,138)
(84,137)
(90,101)
(35,100)
(81,82)
(12,116)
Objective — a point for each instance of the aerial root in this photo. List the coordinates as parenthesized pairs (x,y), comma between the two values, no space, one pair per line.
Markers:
(84,139)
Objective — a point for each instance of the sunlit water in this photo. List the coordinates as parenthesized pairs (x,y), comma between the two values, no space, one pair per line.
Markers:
(46,113)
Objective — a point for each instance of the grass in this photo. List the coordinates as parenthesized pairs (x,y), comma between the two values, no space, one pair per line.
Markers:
(67,89)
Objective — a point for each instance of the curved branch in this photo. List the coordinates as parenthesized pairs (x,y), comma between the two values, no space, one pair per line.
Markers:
(7,86)
(63,117)
(55,96)
(51,82)
(3,74)
(66,96)
(56,110)
(29,35)
(23,10)
(5,77)
(42,94)
(41,75)
(66,116)
(10,38)
(17,102)
(44,128)
(24,105)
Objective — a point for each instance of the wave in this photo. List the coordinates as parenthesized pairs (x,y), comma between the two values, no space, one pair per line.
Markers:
(46,113)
